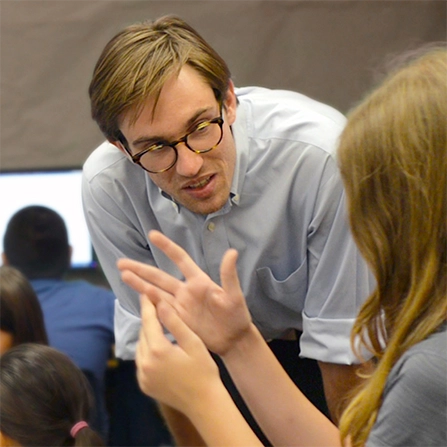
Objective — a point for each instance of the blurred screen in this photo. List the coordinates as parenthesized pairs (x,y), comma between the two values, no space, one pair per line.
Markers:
(59,190)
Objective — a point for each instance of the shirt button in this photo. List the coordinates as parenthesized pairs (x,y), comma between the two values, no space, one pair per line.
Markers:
(211,226)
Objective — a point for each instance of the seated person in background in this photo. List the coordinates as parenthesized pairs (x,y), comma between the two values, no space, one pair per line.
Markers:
(78,315)
(21,318)
(45,399)
(393,161)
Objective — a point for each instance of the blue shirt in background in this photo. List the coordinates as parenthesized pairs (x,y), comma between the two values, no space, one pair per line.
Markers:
(79,322)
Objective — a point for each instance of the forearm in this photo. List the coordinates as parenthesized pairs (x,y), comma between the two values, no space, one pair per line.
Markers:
(283,412)
(212,419)
(219,421)
(181,428)
(340,384)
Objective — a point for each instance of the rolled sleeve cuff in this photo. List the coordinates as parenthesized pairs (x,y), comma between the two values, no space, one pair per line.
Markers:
(127,330)
(328,340)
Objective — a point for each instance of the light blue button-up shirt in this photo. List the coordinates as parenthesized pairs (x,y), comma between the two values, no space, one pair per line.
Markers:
(298,265)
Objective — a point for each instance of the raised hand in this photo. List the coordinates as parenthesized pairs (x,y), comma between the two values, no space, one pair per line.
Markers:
(176,374)
(218,315)
(185,377)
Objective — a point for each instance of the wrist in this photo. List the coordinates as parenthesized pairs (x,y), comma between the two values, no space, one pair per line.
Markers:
(213,416)
(199,408)
(242,345)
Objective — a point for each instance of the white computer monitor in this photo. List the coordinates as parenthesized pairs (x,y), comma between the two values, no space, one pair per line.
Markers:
(58,189)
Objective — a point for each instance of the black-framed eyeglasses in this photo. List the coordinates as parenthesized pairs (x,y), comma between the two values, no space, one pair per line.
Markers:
(163,155)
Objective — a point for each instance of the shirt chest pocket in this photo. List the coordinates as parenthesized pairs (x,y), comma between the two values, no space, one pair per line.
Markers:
(290,292)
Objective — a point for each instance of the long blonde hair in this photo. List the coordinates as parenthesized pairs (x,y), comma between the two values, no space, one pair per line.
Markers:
(392,157)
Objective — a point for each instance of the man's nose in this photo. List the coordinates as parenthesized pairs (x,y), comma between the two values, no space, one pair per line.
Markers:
(188,162)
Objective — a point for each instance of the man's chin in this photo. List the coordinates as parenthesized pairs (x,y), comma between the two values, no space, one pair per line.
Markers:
(203,207)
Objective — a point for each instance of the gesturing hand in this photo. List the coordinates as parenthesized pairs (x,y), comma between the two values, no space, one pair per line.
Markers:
(218,315)
(176,374)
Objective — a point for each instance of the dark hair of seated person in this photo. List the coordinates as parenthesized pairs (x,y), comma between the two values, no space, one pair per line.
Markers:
(36,242)
(21,315)
(43,396)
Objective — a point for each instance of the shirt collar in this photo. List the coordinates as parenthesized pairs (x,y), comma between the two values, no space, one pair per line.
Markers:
(240,135)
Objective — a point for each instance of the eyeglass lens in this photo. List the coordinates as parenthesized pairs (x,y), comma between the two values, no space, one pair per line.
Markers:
(204,138)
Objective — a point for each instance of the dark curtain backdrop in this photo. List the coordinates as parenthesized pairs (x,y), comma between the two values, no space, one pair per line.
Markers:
(330,50)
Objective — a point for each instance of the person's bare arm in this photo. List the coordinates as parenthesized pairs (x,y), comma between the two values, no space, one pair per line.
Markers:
(340,383)
(285,415)
(182,430)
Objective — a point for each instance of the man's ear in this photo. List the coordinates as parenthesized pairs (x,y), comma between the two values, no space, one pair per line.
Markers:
(230,104)
(119,145)
(5,259)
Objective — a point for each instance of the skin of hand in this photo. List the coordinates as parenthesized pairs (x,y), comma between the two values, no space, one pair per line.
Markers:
(218,315)
(174,373)
(185,377)
(196,308)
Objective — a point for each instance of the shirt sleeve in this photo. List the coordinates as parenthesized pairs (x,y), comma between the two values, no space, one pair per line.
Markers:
(339,279)
(115,234)
(413,412)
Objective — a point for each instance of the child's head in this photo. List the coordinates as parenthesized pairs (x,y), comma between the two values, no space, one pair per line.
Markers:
(393,160)
(21,318)
(43,397)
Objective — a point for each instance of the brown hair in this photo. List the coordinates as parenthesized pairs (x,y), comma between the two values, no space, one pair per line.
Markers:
(393,160)
(43,394)
(21,314)
(137,62)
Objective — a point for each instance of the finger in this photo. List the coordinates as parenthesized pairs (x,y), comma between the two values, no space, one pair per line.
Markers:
(184,336)
(151,328)
(228,273)
(149,273)
(154,292)
(143,340)
(175,253)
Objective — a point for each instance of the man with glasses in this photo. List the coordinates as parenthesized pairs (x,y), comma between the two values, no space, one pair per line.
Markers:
(215,167)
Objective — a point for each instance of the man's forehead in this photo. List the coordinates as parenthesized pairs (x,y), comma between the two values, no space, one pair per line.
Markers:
(181,101)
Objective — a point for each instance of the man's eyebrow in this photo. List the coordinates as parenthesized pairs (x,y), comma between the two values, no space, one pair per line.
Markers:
(156,138)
